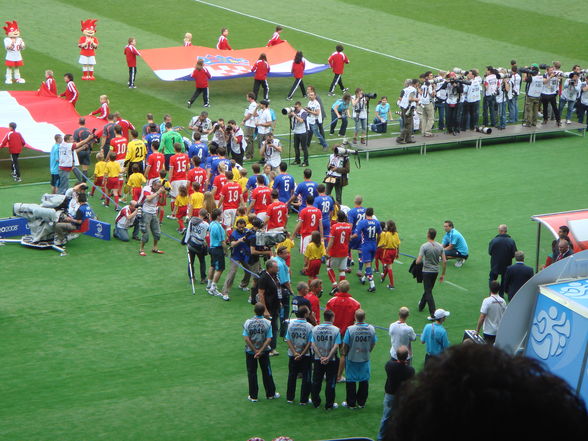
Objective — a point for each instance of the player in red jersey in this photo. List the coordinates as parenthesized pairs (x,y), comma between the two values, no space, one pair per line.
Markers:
(127,126)
(201,76)
(298,66)
(277,213)
(230,199)
(337,61)
(338,249)
(49,84)
(261,69)
(118,145)
(196,174)
(309,220)
(71,91)
(178,172)
(102,111)
(260,199)
(131,54)
(223,42)
(276,37)
(155,163)
(219,181)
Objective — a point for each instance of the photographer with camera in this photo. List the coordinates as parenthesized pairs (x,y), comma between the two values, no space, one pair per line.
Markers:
(340,111)
(337,170)
(582,101)
(502,98)
(549,94)
(195,239)
(359,103)
(298,123)
(407,102)
(315,119)
(271,151)
(427,107)
(490,92)
(569,94)
(263,121)
(454,88)
(472,93)
(129,216)
(440,97)
(236,143)
(513,102)
(149,221)
(534,82)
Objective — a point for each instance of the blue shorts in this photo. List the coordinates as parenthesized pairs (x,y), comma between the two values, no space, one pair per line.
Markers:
(368,252)
(326,228)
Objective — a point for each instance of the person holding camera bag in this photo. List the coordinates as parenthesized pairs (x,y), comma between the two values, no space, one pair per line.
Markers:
(299,126)
(337,171)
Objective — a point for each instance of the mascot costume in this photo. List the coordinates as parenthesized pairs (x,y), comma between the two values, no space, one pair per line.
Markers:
(88,44)
(13,44)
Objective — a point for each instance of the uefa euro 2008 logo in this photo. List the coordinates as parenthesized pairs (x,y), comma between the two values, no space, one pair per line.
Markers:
(550,332)
(576,290)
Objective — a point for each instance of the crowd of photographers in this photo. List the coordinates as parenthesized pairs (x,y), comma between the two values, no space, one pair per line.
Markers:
(458,96)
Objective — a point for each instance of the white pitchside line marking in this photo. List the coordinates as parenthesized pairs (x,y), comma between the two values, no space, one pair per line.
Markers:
(317,35)
(455,285)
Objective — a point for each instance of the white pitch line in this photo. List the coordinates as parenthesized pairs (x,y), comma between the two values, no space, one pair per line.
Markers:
(455,285)
(317,35)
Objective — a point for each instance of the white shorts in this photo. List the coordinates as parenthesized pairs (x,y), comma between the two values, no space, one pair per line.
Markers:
(338,263)
(87,60)
(229,217)
(304,241)
(175,187)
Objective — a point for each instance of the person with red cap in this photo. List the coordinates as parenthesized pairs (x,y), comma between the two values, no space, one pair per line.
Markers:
(15,142)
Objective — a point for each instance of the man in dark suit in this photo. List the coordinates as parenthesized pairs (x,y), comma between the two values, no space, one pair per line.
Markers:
(516,275)
(501,249)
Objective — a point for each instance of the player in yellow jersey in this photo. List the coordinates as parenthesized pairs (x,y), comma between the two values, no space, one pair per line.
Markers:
(136,153)
(113,182)
(313,256)
(390,248)
(196,201)
(99,171)
(136,182)
(180,210)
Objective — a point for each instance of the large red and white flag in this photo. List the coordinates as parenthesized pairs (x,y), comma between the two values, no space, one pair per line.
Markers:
(177,63)
(40,116)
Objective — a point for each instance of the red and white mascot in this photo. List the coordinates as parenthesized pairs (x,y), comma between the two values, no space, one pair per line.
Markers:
(88,44)
(13,44)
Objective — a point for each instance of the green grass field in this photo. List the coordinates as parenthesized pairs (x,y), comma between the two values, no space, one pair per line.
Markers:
(104,344)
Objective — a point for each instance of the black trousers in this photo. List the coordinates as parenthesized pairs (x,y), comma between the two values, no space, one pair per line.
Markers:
(429,280)
(295,367)
(337,79)
(284,311)
(494,276)
(547,100)
(357,393)
(338,191)
(201,254)
(266,375)
(132,75)
(329,371)
(472,114)
(15,166)
(197,92)
(300,141)
(297,83)
(261,83)
(452,123)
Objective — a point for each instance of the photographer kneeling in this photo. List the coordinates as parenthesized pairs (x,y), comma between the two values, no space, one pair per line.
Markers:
(126,218)
(337,170)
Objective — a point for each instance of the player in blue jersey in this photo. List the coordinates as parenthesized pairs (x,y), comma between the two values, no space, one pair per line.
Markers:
(152,135)
(198,148)
(326,204)
(368,230)
(220,159)
(354,215)
(284,183)
(304,189)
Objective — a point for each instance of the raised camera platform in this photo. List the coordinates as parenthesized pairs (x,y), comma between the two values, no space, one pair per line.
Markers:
(476,138)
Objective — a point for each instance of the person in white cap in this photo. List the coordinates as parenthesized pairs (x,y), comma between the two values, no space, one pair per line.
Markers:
(434,335)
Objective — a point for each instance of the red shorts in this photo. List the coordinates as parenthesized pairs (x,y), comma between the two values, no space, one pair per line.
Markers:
(389,255)
(112,183)
(379,253)
(314,267)
(14,63)
(182,212)
(99,181)
(136,193)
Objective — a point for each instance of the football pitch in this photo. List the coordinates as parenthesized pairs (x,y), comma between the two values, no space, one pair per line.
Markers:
(104,344)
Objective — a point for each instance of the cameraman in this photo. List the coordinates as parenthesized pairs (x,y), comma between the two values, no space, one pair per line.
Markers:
(359,103)
(427,93)
(149,221)
(534,82)
(569,95)
(125,219)
(337,171)
(315,119)
(472,99)
(271,151)
(490,92)
(549,94)
(407,102)
(236,141)
(513,103)
(195,239)
(454,91)
(299,126)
